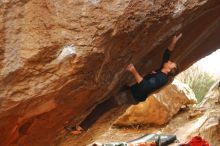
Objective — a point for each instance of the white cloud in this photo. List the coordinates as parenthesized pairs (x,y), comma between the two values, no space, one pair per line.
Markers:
(211,63)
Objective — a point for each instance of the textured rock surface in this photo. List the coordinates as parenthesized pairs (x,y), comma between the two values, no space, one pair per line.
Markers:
(38,94)
(160,107)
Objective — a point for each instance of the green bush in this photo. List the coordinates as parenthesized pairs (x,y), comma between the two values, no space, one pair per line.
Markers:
(198,80)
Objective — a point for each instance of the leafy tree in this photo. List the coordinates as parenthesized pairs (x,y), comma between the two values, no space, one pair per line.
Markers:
(198,80)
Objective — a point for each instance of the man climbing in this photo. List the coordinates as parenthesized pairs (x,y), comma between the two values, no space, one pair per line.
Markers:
(137,92)
(157,79)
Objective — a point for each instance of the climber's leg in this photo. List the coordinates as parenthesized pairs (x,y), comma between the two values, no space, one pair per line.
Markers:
(99,110)
(122,99)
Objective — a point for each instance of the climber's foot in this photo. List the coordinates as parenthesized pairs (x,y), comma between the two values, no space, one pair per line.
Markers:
(78,130)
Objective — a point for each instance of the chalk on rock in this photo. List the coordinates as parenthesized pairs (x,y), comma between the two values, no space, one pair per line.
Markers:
(66,52)
(95,2)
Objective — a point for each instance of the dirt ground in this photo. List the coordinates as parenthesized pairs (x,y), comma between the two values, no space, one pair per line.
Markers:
(103,132)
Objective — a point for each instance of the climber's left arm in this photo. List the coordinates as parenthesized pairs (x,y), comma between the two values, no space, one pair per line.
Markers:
(170,48)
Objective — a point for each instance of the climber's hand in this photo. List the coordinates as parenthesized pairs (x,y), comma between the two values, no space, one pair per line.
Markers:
(130,67)
(173,42)
(176,38)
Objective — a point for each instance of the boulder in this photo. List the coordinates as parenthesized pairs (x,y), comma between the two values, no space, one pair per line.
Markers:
(159,107)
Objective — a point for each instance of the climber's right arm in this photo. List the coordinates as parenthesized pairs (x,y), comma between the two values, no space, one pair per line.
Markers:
(173,42)
(135,73)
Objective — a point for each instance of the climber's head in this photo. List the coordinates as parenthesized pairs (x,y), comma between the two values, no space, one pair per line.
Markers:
(171,67)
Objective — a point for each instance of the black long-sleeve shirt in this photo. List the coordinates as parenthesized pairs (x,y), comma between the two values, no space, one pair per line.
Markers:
(151,82)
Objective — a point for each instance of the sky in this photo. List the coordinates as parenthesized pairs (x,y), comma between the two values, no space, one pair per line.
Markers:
(211,63)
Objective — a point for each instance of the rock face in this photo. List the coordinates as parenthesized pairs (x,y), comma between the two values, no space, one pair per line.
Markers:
(38,93)
(160,107)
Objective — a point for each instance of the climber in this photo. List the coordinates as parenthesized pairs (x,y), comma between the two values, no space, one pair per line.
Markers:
(136,93)
(151,82)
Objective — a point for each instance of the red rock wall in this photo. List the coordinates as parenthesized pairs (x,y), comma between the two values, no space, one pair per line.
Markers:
(38,94)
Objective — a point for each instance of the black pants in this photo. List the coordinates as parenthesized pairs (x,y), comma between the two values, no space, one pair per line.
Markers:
(112,102)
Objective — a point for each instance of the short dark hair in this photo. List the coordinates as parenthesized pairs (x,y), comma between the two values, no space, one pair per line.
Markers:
(174,71)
